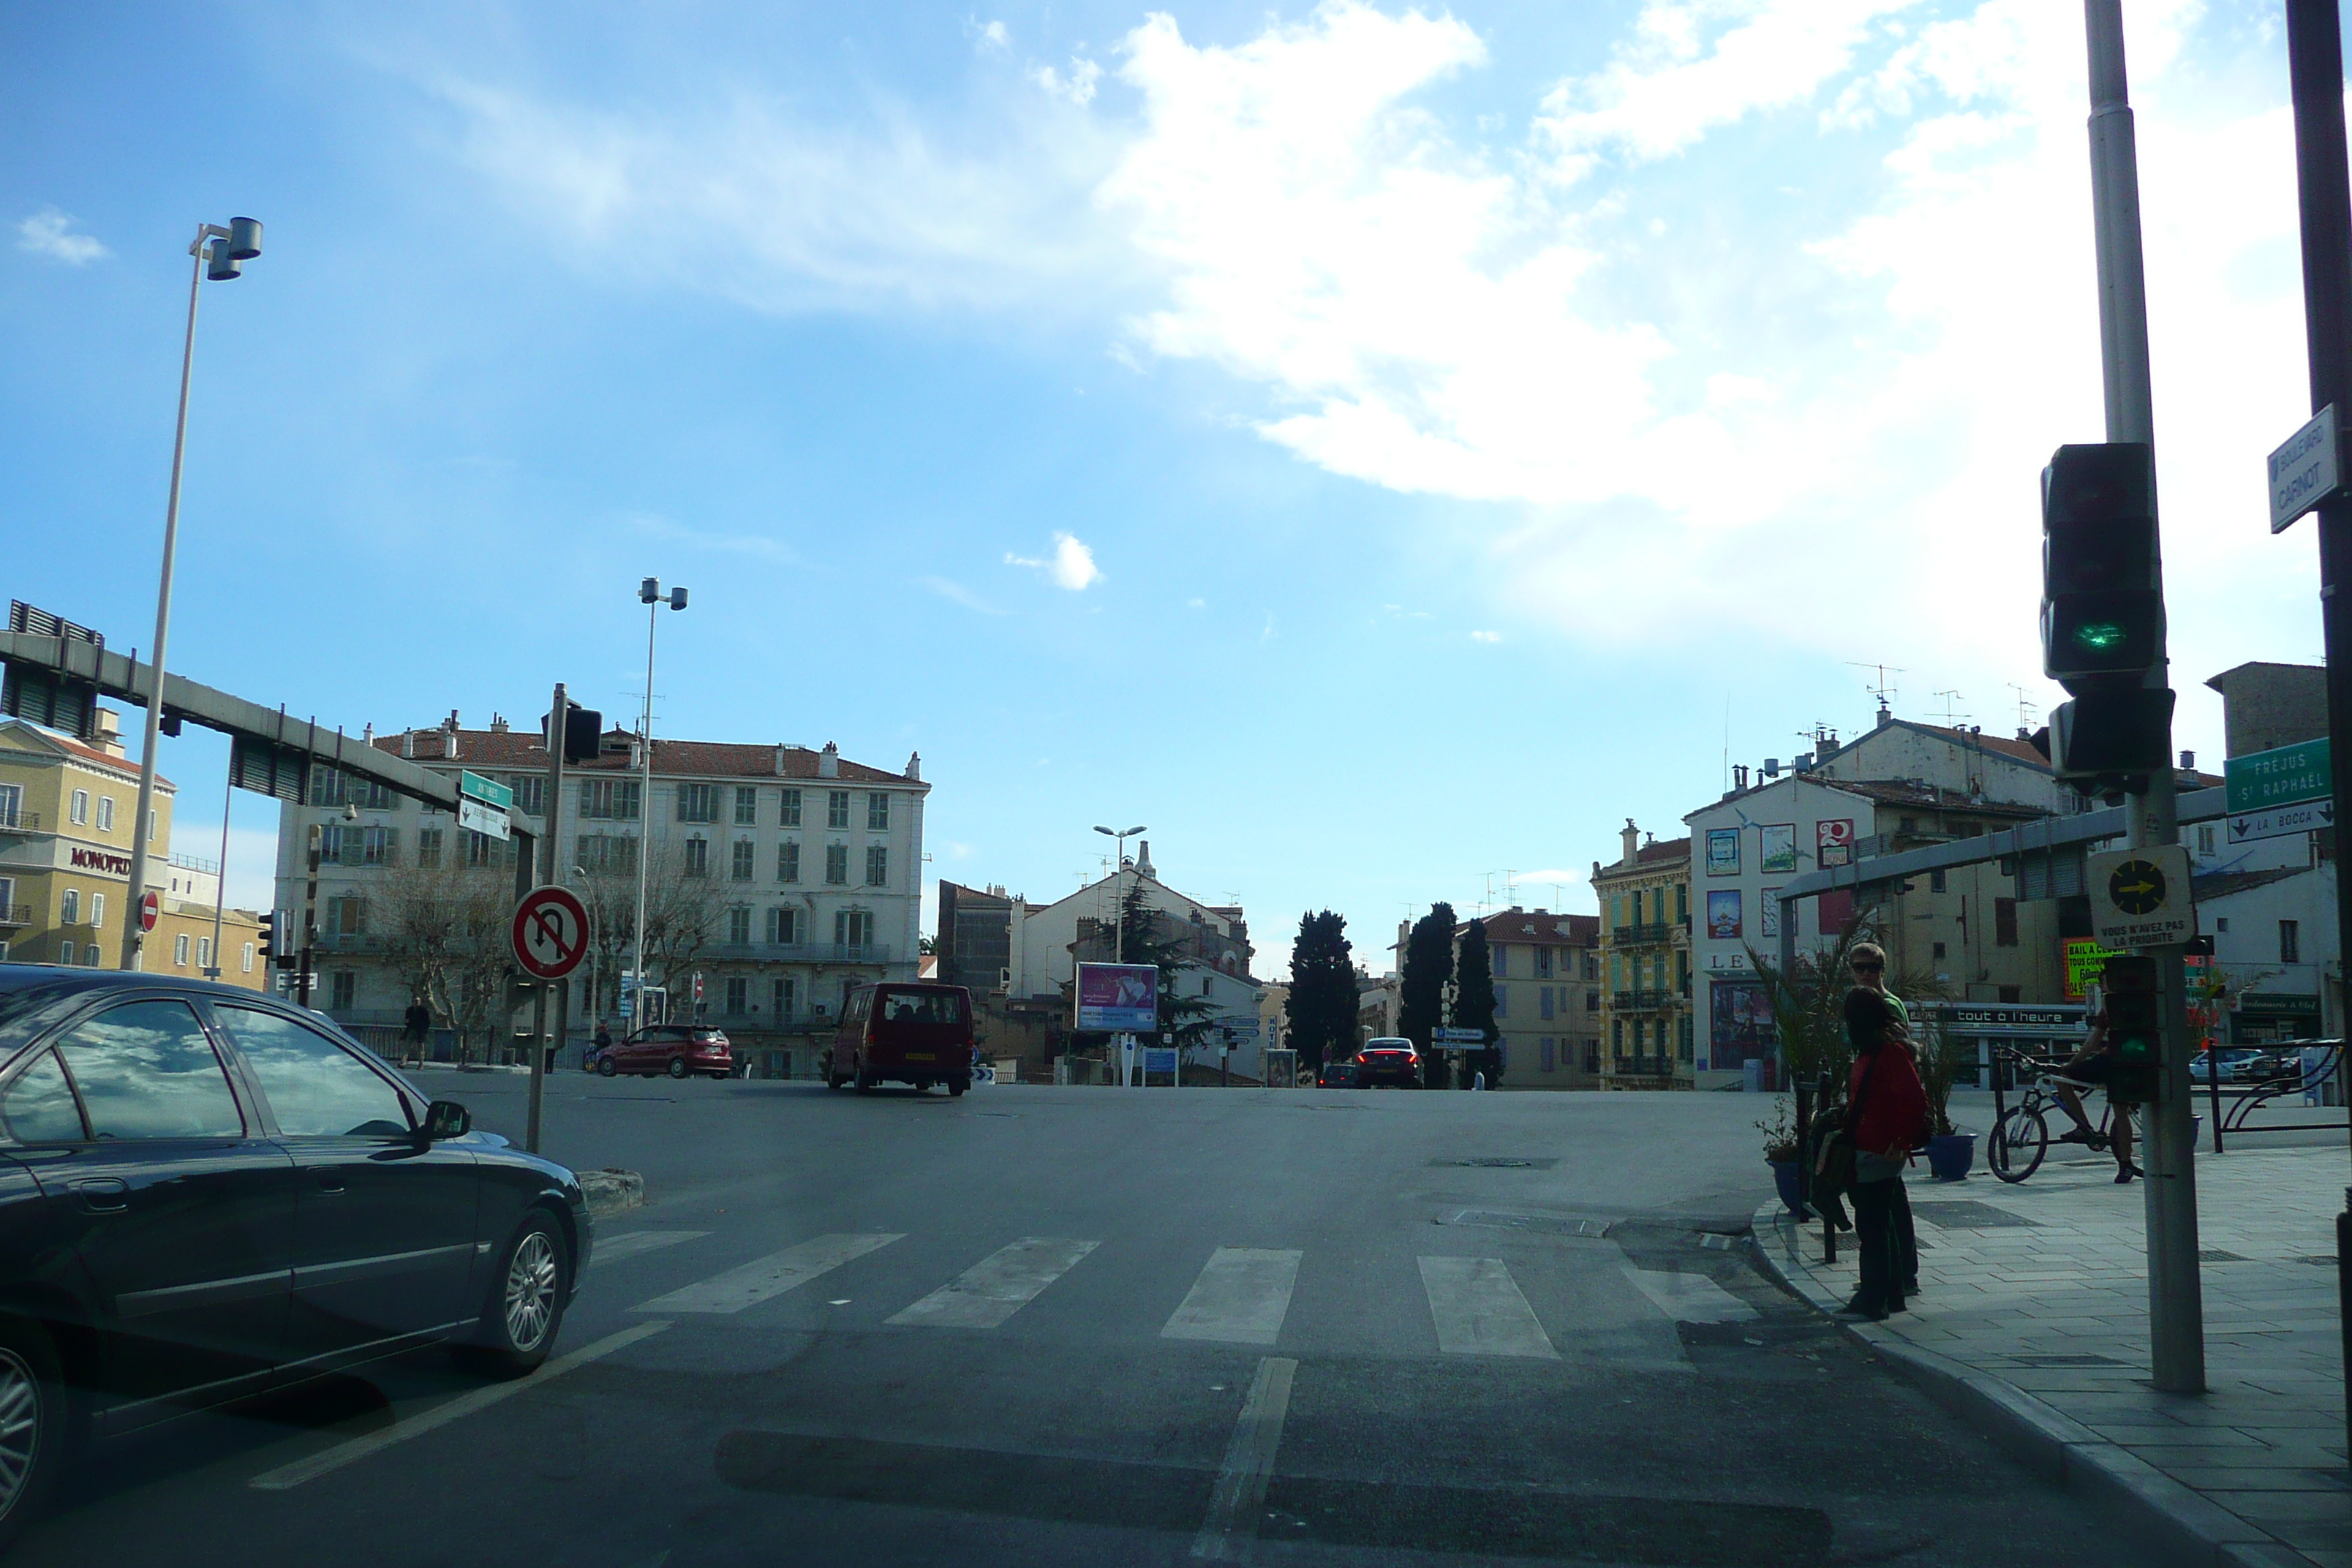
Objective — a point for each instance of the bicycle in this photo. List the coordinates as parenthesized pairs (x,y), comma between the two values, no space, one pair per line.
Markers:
(2020,1134)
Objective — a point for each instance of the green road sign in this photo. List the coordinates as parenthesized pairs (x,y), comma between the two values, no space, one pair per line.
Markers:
(489,792)
(2281,777)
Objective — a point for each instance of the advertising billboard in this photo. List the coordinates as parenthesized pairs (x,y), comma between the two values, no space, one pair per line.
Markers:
(1723,851)
(1118,998)
(1776,847)
(1833,842)
(1723,914)
(1740,1023)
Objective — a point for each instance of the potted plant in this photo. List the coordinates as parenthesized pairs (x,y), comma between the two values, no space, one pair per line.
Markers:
(1951,1153)
(1782,1154)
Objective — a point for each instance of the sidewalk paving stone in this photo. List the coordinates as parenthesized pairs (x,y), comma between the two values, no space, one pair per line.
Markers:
(2033,1317)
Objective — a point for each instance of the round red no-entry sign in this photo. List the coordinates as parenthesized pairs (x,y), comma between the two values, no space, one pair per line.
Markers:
(551,932)
(151,909)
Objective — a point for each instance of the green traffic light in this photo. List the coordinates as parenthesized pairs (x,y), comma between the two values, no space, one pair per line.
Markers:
(2099,636)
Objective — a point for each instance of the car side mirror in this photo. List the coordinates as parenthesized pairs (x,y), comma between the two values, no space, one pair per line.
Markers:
(447,1119)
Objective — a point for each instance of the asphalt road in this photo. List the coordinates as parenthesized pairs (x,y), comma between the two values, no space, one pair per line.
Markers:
(1089,1326)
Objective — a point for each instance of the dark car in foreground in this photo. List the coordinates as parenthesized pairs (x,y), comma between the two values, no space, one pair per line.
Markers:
(1389,1061)
(681,1050)
(207,1194)
(1340,1074)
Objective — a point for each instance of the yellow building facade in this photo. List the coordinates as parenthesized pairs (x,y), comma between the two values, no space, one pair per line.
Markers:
(66,842)
(1647,1025)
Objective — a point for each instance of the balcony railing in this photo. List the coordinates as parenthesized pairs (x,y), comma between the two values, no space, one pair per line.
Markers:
(13,915)
(1643,1067)
(1649,933)
(797,952)
(13,820)
(1644,1001)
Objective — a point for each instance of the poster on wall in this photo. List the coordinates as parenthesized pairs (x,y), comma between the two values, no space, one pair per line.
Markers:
(1723,851)
(1739,1029)
(1776,846)
(1833,842)
(1723,914)
(1768,914)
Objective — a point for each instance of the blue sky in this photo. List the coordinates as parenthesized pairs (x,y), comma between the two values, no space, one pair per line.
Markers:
(1375,448)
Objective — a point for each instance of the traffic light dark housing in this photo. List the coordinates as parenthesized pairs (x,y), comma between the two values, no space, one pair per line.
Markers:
(583,732)
(269,936)
(2135,1029)
(2103,614)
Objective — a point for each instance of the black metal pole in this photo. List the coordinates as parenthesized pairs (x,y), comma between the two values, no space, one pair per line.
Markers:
(2315,52)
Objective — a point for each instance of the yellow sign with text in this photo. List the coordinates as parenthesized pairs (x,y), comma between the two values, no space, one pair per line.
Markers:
(2086,959)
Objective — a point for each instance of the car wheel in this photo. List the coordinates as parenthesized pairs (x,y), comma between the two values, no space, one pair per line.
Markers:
(605,1067)
(525,1304)
(36,1423)
(866,1083)
(677,1066)
(956,1087)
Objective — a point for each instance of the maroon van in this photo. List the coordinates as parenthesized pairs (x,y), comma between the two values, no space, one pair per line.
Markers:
(903,1032)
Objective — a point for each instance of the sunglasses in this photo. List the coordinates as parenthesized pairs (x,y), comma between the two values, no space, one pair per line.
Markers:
(1867,967)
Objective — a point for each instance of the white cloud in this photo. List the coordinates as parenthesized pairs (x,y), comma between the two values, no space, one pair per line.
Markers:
(1076,88)
(1071,565)
(1486,636)
(51,233)
(987,35)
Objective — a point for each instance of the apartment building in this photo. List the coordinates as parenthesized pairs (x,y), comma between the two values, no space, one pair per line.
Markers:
(795,872)
(1547,969)
(66,838)
(1646,1038)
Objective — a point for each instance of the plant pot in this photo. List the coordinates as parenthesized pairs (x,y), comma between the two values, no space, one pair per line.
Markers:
(1952,1154)
(1784,1181)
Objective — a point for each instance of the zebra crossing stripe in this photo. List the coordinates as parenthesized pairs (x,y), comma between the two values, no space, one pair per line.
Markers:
(1478,1310)
(774,1274)
(612,1249)
(1241,1297)
(998,1286)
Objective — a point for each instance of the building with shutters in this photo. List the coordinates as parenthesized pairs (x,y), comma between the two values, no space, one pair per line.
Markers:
(1645,1038)
(793,874)
(65,865)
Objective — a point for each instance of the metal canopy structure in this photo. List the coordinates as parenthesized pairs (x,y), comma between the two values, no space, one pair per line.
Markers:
(271,752)
(2046,839)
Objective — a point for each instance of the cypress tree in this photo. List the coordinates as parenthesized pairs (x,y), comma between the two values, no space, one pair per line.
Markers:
(1321,1006)
(1474,1000)
(1428,966)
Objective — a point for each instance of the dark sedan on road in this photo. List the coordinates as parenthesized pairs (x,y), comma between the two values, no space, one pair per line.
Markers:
(1390,1061)
(206,1192)
(681,1050)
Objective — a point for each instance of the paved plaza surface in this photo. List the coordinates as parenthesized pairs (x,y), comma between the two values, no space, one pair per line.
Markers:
(1041,1325)
(2042,1286)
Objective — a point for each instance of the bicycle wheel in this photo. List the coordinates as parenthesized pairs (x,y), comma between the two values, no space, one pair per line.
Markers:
(2017,1144)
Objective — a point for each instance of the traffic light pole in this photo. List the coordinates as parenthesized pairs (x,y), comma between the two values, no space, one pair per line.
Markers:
(2175,1292)
(2315,52)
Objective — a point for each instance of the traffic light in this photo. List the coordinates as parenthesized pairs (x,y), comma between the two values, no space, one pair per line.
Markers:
(2135,1029)
(268,939)
(583,732)
(2103,614)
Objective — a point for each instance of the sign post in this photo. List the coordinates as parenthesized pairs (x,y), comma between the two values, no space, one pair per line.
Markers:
(2139,898)
(2305,470)
(151,909)
(2289,789)
(550,938)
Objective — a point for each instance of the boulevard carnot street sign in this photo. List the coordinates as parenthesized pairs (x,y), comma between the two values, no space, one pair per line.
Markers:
(2139,898)
(2306,471)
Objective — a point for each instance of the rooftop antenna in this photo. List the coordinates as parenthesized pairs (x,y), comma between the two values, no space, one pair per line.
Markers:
(1950,715)
(2025,710)
(1883,690)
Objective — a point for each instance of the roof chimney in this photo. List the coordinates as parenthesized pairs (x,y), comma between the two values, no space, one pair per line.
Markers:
(2189,760)
(915,766)
(1143,857)
(1631,837)
(498,723)
(1739,776)
(408,743)
(828,762)
(780,759)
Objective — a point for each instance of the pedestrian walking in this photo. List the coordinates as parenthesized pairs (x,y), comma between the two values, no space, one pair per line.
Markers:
(416,1028)
(599,1045)
(1886,1118)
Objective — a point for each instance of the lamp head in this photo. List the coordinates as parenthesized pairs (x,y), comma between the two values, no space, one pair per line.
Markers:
(649,592)
(350,811)
(220,264)
(678,598)
(1106,832)
(1133,831)
(244,238)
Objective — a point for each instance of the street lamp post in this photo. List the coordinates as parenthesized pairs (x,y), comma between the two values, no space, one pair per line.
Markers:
(649,593)
(220,255)
(1119,923)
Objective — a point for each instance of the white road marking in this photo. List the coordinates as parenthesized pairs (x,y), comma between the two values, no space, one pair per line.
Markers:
(1478,1310)
(998,1286)
(612,1249)
(774,1274)
(1241,1297)
(1230,1532)
(286,1477)
(1689,1298)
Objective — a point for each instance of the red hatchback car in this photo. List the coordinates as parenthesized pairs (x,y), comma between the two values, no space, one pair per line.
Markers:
(681,1050)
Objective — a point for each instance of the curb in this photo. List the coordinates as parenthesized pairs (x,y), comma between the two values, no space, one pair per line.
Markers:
(2169,1519)
(609,1191)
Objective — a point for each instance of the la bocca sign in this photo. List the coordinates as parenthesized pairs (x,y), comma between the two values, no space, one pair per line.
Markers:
(99,860)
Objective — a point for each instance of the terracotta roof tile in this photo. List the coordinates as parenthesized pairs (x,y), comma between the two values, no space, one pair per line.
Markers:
(1524,926)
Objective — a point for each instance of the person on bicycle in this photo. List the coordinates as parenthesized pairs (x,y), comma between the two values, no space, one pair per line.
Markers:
(1867,963)
(2092,1065)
